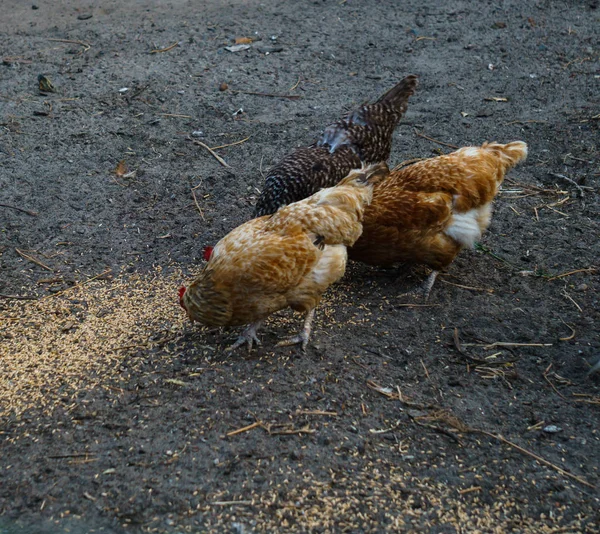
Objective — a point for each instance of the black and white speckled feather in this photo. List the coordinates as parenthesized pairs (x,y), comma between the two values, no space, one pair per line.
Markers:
(364,136)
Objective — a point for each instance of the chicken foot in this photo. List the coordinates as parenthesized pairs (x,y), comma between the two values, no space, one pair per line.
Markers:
(248,336)
(424,289)
(303,336)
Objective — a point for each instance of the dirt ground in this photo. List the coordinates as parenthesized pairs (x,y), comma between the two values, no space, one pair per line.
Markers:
(471,414)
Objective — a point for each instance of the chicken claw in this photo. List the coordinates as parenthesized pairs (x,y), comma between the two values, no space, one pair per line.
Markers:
(303,336)
(248,336)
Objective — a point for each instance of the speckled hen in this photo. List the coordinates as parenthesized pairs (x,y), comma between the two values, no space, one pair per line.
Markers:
(363,137)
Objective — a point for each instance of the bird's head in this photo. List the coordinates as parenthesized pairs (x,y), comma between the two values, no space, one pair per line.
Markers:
(206,253)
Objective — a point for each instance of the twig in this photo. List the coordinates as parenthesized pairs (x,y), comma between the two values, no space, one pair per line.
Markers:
(469,490)
(33,260)
(304,430)
(231,144)
(75,455)
(419,134)
(524,122)
(535,456)
(506,344)
(571,181)
(231,503)
(572,300)
(572,332)
(29,212)
(270,95)
(160,50)
(175,115)
(78,285)
(197,205)
(425,368)
(212,152)
(397,394)
(86,46)
(16,297)
(545,375)
(439,429)
(468,287)
(408,305)
(315,412)
(245,429)
(458,346)
(590,270)
(483,248)
(535,187)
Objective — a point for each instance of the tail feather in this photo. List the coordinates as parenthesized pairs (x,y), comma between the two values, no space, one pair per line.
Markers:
(510,154)
(401,92)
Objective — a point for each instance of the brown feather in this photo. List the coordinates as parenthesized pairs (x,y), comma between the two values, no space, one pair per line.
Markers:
(428,211)
(287,259)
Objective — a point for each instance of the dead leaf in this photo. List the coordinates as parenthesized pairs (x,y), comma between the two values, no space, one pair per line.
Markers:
(243,40)
(496,99)
(45,84)
(237,48)
(121,168)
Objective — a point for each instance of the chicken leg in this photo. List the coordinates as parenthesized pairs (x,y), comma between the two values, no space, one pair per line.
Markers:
(424,288)
(428,284)
(303,336)
(248,336)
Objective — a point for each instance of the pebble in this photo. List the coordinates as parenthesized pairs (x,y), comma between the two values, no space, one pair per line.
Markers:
(552,429)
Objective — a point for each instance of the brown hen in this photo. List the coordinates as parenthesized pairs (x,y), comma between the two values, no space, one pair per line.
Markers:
(428,211)
(286,259)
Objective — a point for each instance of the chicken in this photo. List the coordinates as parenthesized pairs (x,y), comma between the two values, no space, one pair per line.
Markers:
(286,259)
(363,137)
(428,211)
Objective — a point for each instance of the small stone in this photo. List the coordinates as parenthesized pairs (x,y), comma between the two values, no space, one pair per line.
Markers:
(223,87)
(552,429)
(197,133)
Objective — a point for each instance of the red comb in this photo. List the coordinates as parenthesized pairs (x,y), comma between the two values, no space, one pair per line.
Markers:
(207,253)
(181,292)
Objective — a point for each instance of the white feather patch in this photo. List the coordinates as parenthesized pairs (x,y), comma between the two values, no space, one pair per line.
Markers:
(465,227)
(471,151)
(331,265)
